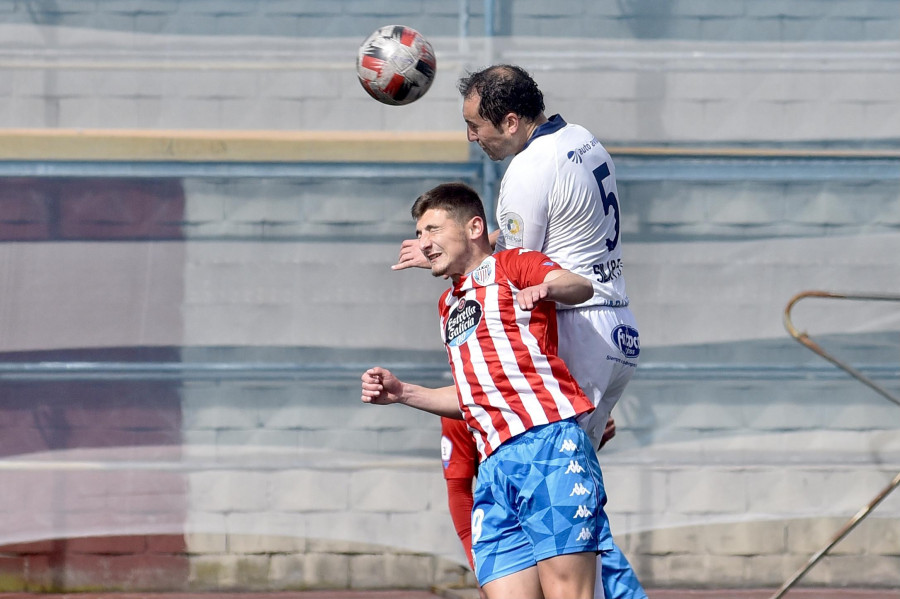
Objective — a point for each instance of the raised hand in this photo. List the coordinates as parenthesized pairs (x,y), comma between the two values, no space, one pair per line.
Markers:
(411,256)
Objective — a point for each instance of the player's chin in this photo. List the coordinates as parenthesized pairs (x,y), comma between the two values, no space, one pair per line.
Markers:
(492,155)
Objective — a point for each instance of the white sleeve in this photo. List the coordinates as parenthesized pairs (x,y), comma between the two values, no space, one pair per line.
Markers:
(523,206)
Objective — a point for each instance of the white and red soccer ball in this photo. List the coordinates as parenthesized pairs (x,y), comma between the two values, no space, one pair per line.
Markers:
(396,65)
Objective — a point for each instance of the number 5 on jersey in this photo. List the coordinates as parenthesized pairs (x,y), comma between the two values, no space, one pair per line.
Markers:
(609,201)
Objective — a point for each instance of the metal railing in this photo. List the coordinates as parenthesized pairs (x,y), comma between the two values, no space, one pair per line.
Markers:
(804,339)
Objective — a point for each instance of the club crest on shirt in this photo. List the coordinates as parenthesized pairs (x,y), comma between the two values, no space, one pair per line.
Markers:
(484,274)
(462,321)
(513,228)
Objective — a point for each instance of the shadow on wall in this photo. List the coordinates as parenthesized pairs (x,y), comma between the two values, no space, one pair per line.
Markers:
(45,420)
(90,209)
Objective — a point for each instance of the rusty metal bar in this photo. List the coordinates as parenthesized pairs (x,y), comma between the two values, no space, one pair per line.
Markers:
(805,340)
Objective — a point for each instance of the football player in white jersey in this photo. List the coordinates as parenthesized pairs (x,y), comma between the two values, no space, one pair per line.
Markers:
(559,196)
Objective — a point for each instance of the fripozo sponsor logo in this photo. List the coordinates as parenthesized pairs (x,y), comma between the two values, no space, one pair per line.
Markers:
(627,340)
(462,321)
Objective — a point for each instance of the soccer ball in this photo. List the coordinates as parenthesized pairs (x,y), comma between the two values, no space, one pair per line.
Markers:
(396,65)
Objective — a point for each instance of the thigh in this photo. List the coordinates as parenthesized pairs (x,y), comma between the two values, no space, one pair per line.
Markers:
(524,584)
(568,576)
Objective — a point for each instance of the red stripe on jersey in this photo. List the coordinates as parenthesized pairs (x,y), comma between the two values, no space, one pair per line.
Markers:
(532,268)
(522,354)
(501,379)
(477,392)
(474,391)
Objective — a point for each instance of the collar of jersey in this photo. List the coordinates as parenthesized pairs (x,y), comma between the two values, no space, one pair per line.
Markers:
(458,290)
(466,282)
(553,124)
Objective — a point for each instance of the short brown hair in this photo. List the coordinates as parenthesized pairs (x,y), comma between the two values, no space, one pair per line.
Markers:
(459,200)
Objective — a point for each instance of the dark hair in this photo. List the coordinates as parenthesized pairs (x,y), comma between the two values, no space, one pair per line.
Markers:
(459,200)
(503,89)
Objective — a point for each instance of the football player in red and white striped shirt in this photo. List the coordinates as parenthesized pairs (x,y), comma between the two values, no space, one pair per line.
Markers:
(498,322)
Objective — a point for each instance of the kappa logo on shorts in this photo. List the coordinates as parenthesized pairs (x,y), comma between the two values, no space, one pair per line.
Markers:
(583,512)
(568,445)
(626,339)
(574,467)
(579,489)
(584,535)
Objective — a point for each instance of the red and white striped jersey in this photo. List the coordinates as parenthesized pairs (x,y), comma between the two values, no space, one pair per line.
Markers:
(507,374)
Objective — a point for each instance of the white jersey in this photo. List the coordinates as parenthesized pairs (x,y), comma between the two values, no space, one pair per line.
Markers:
(559,197)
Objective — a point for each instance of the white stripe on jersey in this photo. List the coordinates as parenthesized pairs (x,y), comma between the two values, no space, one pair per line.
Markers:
(508,357)
(465,390)
(494,397)
(543,369)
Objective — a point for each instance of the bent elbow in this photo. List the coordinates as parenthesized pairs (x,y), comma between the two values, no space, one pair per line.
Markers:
(585,292)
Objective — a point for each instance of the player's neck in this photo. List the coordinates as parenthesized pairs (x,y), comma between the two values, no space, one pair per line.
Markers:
(531,127)
(474,262)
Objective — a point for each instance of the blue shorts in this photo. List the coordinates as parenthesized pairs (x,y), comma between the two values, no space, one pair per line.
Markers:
(537,496)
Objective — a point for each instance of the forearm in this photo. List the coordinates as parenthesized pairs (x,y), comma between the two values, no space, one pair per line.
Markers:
(568,287)
(442,402)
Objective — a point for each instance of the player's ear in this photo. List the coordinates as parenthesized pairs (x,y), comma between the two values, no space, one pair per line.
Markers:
(512,122)
(476,227)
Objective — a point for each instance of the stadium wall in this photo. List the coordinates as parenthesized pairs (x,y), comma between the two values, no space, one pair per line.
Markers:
(726,477)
